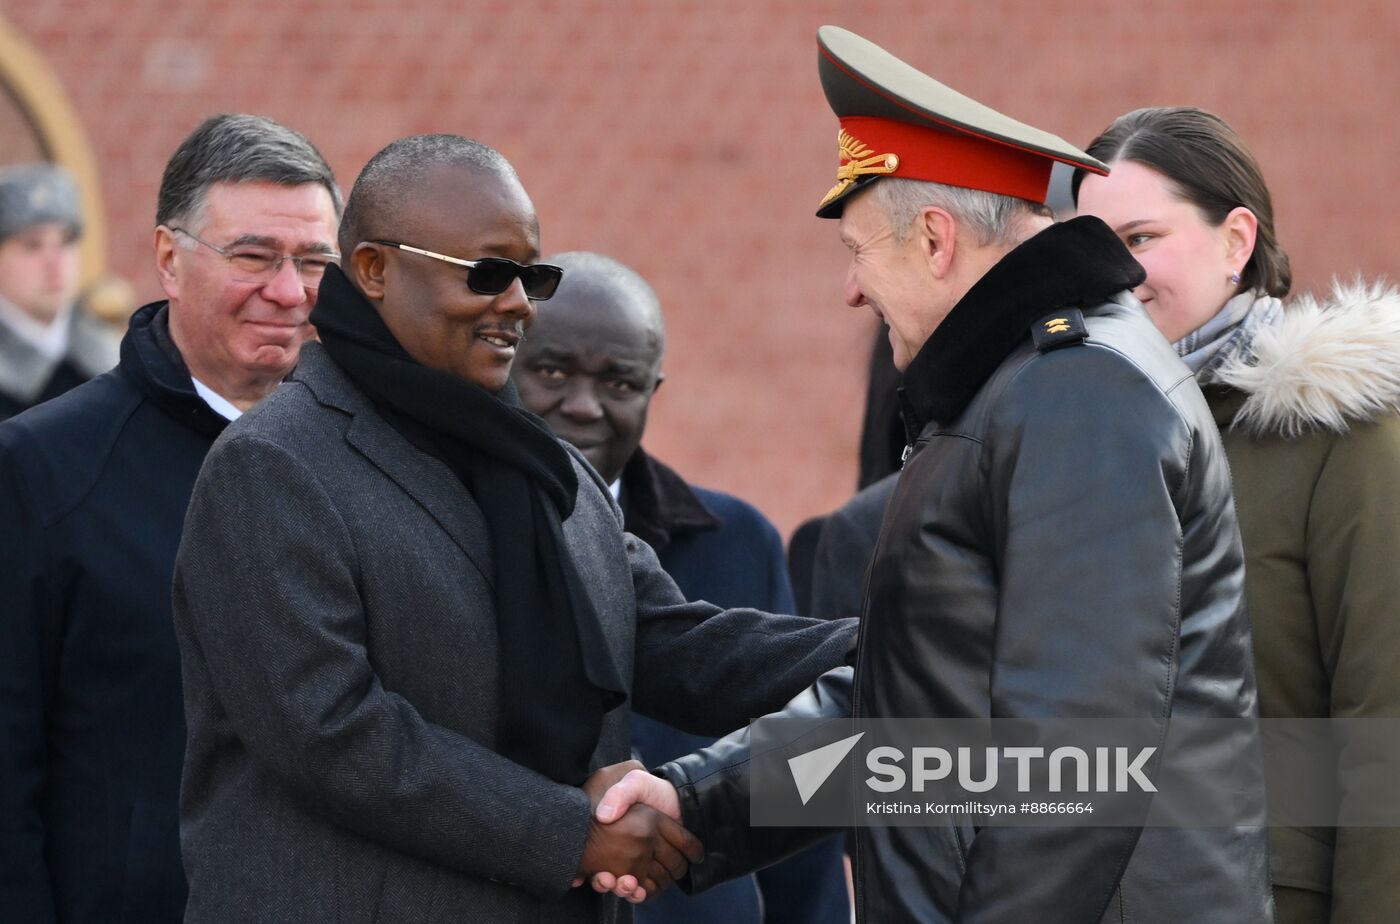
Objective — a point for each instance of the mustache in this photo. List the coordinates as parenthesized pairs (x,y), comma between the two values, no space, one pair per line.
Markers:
(515,329)
(513,332)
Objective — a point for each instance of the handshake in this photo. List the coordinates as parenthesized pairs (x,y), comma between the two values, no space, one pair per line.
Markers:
(636,844)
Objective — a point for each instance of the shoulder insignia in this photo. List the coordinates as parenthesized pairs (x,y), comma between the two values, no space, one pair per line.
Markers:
(1061,329)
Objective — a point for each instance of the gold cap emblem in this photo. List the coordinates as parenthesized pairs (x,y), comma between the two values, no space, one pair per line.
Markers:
(857,160)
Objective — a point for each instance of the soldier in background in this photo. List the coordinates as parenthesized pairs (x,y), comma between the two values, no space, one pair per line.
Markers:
(47,343)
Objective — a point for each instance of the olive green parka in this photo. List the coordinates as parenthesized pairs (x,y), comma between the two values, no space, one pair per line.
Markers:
(1311,427)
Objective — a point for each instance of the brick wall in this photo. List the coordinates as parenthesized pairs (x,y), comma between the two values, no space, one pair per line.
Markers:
(691,140)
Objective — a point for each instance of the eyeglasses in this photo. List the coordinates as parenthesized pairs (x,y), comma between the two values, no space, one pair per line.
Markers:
(493,275)
(261,265)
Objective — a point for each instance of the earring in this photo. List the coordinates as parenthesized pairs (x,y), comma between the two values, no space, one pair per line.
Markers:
(1235,278)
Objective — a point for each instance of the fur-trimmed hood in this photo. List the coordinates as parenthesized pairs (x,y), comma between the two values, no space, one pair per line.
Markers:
(1327,363)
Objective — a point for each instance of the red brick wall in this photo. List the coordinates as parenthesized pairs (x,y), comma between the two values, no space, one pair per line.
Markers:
(691,140)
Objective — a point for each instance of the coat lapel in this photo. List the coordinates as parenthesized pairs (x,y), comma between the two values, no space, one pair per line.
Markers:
(418,475)
(429,483)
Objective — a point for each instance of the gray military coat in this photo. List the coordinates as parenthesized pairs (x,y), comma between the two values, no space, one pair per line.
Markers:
(333,603)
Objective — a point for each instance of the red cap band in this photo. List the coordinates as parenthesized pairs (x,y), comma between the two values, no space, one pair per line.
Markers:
(953,158)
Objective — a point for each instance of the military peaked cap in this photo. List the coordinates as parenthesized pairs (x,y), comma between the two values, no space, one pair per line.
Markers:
(897,121)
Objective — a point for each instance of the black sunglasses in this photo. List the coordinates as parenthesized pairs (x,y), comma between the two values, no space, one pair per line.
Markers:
(493,275)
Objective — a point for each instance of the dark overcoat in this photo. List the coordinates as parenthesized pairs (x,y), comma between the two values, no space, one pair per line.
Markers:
(93,489)
(334,607)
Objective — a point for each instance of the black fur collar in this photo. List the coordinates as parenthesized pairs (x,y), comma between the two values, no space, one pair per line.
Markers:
(658,505)
(1076,263)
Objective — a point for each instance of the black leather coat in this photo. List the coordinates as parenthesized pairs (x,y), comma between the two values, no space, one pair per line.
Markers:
(1062,542)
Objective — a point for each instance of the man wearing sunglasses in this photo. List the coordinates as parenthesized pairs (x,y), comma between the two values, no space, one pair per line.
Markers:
(412,627)
(93,490)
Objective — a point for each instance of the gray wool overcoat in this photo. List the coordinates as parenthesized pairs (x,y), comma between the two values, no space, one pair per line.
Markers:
(333,603)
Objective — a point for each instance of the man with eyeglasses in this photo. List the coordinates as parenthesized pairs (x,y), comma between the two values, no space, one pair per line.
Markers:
(93,490)
(411,625)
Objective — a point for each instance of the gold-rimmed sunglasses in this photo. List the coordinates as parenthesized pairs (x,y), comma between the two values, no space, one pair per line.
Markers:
(493,275)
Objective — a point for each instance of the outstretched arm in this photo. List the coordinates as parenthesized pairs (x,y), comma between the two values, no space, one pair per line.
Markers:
(708,671)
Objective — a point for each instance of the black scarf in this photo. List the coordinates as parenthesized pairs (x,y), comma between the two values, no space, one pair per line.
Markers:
(557,676)
(658,506)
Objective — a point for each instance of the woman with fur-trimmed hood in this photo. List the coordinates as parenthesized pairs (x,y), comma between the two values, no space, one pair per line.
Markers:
(1307,397)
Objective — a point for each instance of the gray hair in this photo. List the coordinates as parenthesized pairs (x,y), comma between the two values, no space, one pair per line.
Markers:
(993,218)
(379,194)
(238,149)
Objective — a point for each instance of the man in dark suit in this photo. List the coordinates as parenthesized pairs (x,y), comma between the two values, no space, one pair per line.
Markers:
(411,626)
(590,367)
(93,489)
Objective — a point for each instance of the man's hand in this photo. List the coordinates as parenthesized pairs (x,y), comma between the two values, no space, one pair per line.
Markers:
(600,782)
(633,787)
(642,790)
(644,848)
(603,779)
(643,851)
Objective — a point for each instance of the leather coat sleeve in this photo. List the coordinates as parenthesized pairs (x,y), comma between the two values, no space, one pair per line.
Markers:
(272,627)
(29,618)
(708,671)
(1352,535)
(1082,500)
(713,785)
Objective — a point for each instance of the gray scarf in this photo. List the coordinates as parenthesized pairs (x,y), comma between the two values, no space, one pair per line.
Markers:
(1228,333)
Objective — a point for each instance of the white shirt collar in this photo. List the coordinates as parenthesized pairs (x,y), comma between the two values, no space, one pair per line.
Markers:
(51,340)
(616,489)
(217,402)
